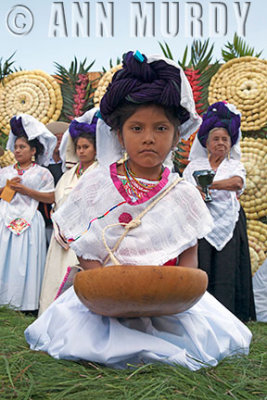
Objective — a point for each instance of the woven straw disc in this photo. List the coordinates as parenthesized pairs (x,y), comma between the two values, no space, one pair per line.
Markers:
(103,84)
(257,239)
(243,82)
(254,158)
(7,158)
(30,92)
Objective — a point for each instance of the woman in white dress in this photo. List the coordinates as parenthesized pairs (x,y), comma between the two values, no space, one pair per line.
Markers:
(144,104)
(224,252)
(81,142)
(22,230)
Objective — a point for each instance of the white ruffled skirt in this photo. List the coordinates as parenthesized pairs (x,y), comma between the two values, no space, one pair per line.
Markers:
(199,337)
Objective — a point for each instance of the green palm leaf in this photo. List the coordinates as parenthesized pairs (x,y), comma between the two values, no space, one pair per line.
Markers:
(68,79)
(6,67)
(166,50)
(200,59)
(238,48)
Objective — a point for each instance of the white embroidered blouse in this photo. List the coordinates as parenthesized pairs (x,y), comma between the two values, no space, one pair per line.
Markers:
(17,215)
(169,228)
(225,206)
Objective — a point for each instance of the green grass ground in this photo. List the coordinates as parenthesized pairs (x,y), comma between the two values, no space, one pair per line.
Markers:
(26,374)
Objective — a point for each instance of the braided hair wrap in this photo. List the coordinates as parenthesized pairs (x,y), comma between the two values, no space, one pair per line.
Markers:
(218,115)
(156,80)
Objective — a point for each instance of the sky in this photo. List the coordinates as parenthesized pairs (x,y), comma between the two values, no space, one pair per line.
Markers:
(42,32)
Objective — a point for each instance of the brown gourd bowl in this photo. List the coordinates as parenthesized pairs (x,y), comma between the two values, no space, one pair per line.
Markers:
(140,291)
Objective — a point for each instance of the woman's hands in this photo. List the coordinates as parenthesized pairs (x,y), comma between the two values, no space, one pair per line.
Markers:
(44,197)
(201,192)
(15,184)
(235,184)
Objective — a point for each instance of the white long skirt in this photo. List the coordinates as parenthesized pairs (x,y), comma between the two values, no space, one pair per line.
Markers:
(57,262)
(199,337)
(22,261)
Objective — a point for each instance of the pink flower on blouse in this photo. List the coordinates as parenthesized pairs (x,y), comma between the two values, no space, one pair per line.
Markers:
(125,218)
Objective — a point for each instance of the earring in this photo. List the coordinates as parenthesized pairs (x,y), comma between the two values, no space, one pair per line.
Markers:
(173,152)
(229,155)
(33,158)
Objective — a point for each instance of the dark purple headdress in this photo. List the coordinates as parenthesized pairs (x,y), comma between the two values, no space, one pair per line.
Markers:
(76,128)
(218,115)
(17,127)
(140,82)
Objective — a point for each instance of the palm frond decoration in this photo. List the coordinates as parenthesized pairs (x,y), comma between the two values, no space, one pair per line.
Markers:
(6,67)
(198,67)
(166,50)
(77,91)
(238,48)
(111,65)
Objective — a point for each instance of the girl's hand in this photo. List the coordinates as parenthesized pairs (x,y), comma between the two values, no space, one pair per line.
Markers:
(60,238)
(189,258)
(89,264)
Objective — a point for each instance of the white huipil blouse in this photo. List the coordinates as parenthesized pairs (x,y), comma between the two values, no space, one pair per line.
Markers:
(224,207)
(196,338)
(21,206)
(168,229)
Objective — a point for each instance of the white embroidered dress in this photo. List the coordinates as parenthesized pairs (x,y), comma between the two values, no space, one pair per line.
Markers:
(201,336)
(22,237)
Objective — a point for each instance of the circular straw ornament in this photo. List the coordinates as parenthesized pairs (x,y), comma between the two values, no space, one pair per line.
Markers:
(257,239)
(254,158)
(243,82)
(30,92)
(7,158)
(103,84)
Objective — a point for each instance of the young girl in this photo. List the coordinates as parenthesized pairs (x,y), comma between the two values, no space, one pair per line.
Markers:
(144,104)
(22,229)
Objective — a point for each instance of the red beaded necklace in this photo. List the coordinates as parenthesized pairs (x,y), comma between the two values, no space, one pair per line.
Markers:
(22,170)
(136,187)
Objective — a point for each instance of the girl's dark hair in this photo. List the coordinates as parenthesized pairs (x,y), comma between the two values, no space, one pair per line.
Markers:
(89,136)
(34,143)
(126,110)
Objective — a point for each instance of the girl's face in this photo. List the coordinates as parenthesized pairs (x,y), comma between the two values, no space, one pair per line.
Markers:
(148,136)
(23,151)
(85,150)
(219,143)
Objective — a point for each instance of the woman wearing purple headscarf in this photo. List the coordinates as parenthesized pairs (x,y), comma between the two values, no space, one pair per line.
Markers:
(148,103)
(22,228)
(223,253)
(80,140)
